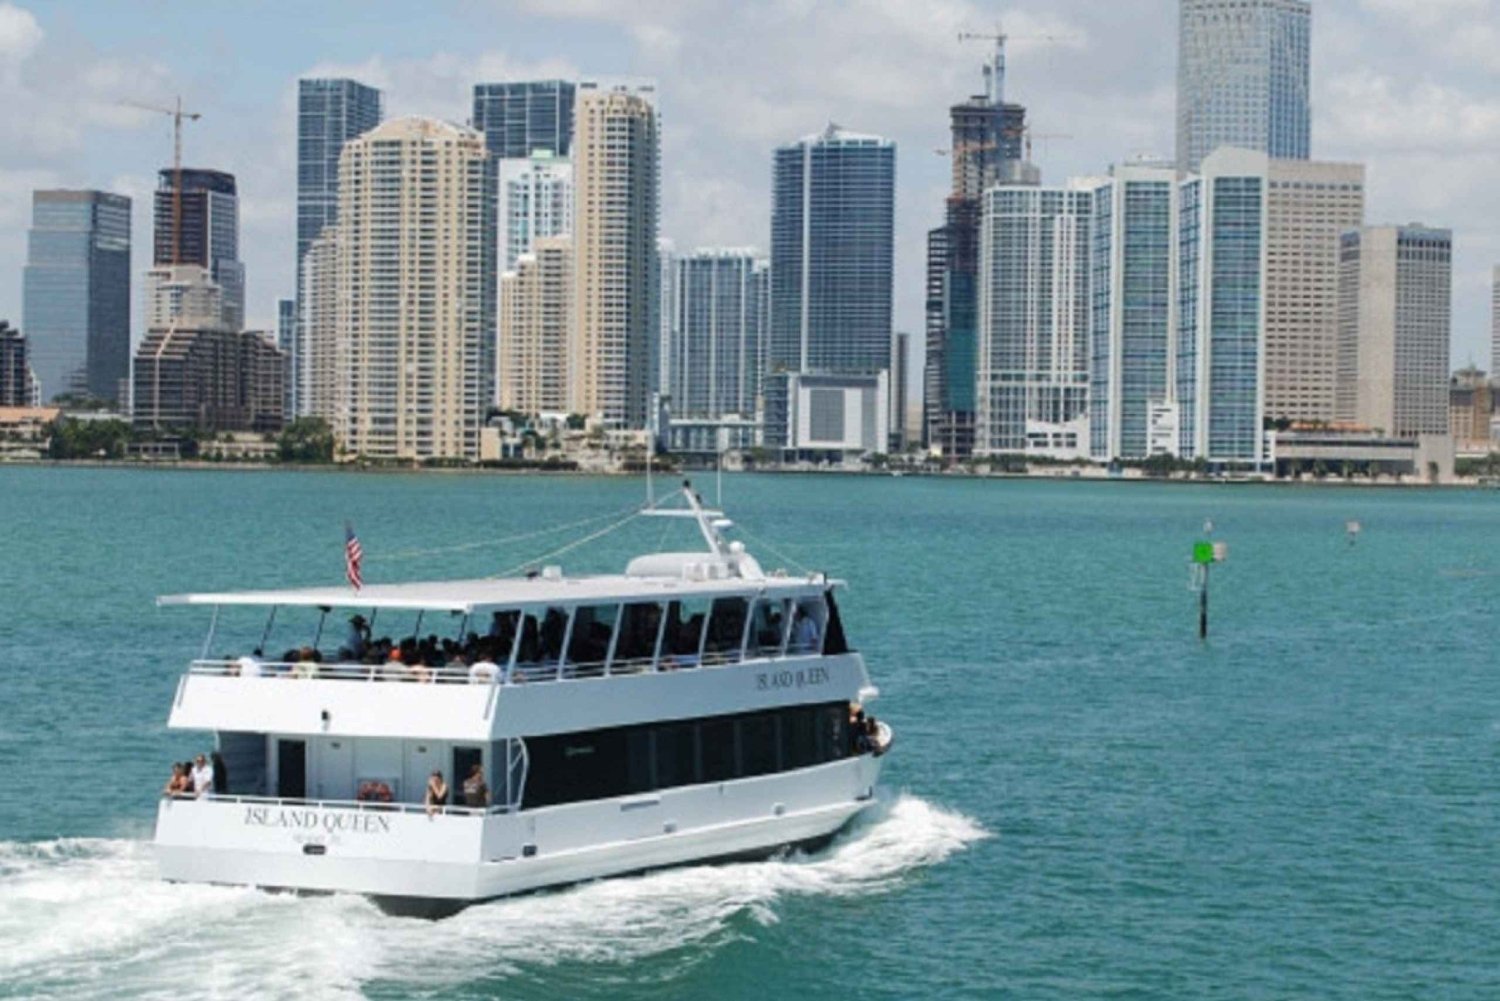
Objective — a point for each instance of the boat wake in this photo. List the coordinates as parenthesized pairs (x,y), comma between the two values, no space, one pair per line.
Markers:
(89,918)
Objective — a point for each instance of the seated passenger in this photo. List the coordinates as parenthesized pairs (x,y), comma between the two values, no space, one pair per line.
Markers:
(484,671)
(437,793)
(306,664)
(248,666)
(178,784)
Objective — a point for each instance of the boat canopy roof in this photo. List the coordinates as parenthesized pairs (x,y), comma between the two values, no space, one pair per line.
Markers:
(478,596)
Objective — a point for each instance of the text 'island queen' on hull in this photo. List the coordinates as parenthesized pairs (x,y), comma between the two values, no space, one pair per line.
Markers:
(565,728)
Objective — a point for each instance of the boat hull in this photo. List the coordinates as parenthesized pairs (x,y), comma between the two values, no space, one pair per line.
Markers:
(415,864)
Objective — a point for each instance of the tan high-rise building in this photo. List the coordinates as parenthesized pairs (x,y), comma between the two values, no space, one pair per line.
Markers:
(1309,205)
(1395,322)
(318,375)
(535,323)
(415,291)
(615,178)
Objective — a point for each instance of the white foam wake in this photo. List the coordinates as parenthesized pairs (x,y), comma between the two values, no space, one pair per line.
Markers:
(87,918)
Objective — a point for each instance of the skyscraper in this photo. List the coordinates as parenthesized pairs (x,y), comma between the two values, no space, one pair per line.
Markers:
(15,373)
(1309,205)
(1395,324)
(207,233)
(330,112)
(1133,316)
(415,291)
(987,145)
(716,337)
(318,376)
(535,322)
(1242,78)
(519,117)
(1495,323)
(1220,343)
(616,164)
(536,200)
(832,232)
(1033,325)
(286,339)
(76,292)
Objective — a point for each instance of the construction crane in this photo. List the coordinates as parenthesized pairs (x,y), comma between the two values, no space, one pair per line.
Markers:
(177,115)
(994,70)
(1029,135)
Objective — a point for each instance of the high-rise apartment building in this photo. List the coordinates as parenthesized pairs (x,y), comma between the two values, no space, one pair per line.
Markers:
(415,291)
(1243,78)
(519,117)
(1495,323)
(986,148)
(286,340)
(536,200)
(1133,283)
(832,234)
(76,292)
(330,112)
(317,376)
(1395,322)
(716,335)
(1033,323)
(198,375)
(15,373)
(616,165)
(666,312)
(185,292)
(536,311)
(900,373)
(1309,205)
(202,227)
(1220,342)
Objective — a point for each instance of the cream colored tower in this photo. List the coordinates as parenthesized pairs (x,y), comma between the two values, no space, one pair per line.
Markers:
(318,377)
(615,164)
(1308,206)
(416,283)
(535,322)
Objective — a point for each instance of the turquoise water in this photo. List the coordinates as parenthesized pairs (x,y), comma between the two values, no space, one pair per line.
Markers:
(1084,801)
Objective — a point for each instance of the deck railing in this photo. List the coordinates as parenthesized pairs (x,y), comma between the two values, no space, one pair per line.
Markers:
(491,674)
(364,806)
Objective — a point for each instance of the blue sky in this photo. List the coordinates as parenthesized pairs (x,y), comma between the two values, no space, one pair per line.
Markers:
(1406,86)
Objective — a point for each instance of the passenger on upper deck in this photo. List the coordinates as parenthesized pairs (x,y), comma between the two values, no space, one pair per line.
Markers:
(179,784)
(357,639)
(805,630)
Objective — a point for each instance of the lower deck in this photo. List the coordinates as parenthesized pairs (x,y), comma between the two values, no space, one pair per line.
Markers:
(398,850)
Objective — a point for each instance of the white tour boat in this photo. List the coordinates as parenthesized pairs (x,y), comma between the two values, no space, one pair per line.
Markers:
(693,708)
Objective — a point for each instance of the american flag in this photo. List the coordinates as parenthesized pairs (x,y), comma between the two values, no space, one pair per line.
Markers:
(353,553)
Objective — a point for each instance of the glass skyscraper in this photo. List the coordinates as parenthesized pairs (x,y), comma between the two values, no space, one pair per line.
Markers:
(1242,78)
(715,346)
(1221,307)
(832,231)
(76,292)
(207,233)
(1131,290)
(519,117)
(330,112)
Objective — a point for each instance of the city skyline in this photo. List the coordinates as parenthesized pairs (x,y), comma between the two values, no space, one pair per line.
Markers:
(879,68)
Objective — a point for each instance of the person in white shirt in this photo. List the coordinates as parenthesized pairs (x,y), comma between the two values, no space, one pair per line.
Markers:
(249,666)
(202,776)
(483,671)
(805,633)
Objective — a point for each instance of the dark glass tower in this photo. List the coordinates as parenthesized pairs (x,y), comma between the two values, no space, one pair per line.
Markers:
(988,135)
(329,113)
(76,297)
(208,233)
(832,234)
(520,117)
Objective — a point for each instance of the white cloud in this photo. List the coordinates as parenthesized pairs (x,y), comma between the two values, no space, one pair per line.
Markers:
(19,32)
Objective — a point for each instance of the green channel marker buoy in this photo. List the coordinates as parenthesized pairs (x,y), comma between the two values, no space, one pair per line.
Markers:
(1206,553)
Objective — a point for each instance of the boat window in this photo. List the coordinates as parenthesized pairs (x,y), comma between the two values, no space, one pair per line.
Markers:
(799,737)
(809,623)
(572,767)
(759,746)
(540,646)
(636,646)
(767,624)
(720,760)
(834,641)
(684,638)
(500,636)
(291,769)
(638,760)
(726,630)
(676,754)
(588,643)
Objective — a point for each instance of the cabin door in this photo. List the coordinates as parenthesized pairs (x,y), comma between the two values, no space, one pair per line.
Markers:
(336,769)
(291,769)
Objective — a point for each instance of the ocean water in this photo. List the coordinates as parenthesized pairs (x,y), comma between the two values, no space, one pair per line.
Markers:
(1084,801)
